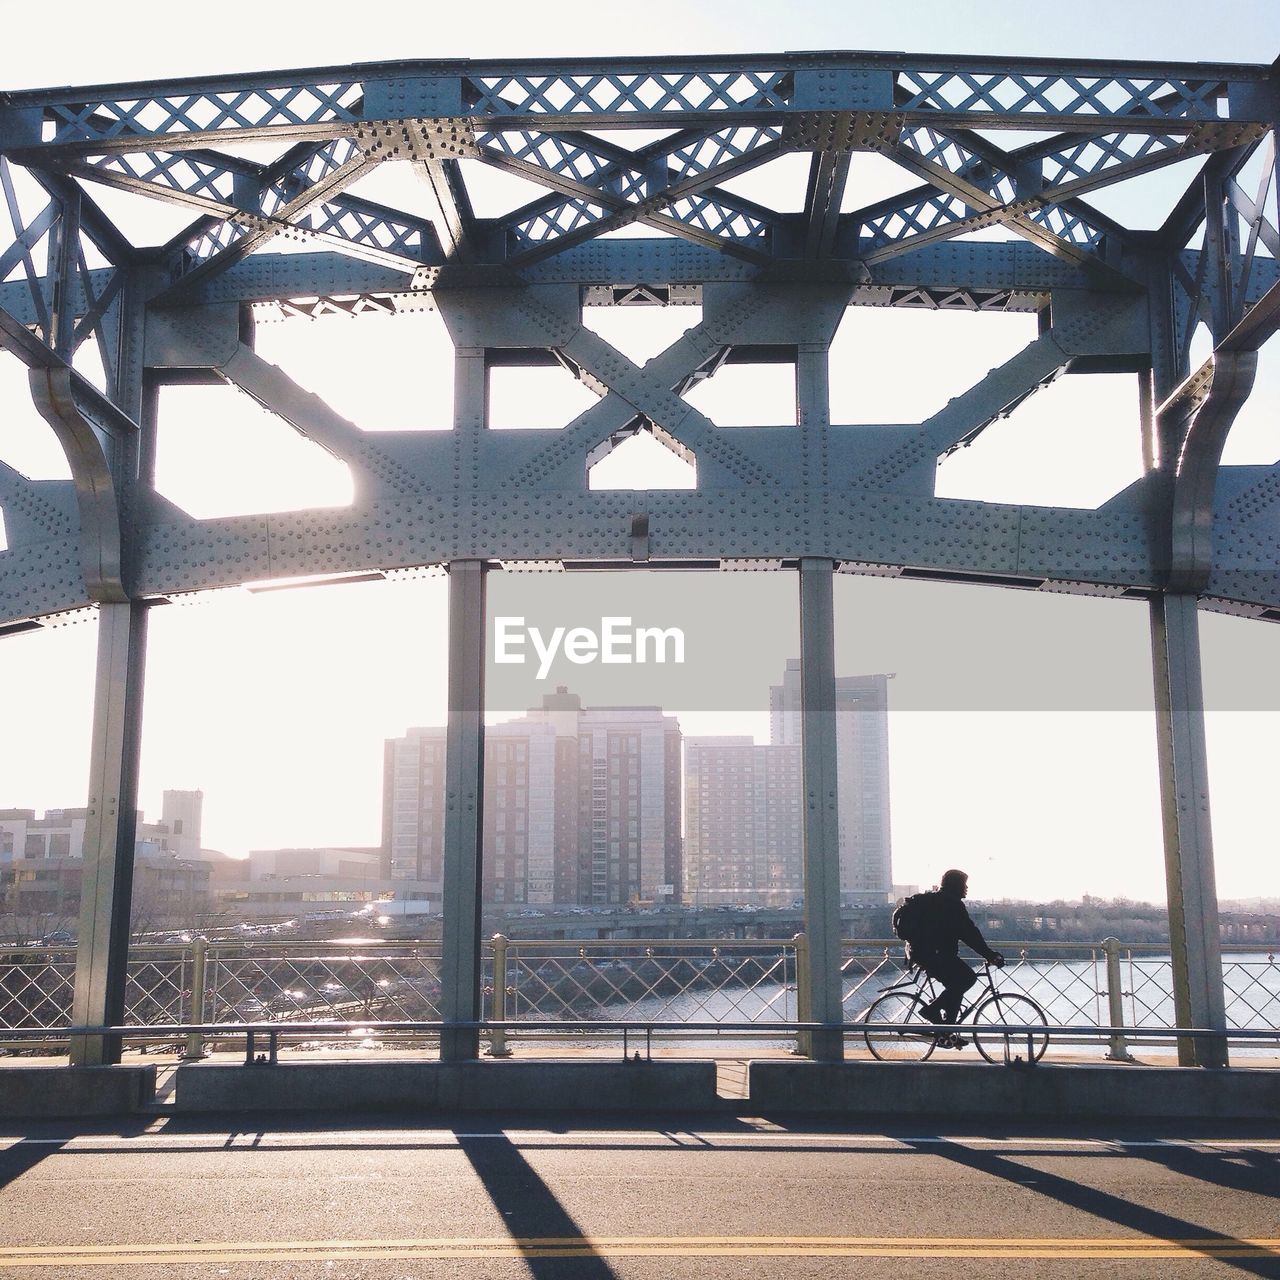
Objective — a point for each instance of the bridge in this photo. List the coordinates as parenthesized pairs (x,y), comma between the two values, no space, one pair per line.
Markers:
(809,502)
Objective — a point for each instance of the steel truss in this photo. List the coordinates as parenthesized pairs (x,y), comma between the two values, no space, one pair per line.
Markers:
(1013,145)
(1107,297)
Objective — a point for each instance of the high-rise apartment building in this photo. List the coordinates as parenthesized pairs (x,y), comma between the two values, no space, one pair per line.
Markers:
(581,805)
(743,803)
(742,823)
(862,776)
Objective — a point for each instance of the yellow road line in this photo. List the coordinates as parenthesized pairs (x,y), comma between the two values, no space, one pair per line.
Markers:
(505,1247)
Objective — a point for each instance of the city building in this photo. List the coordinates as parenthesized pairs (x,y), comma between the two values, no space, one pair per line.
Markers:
(299,883)
(742,823)
(182,813)
(743,803)
(581,806)
(42,866)
(60,832)
(862,776)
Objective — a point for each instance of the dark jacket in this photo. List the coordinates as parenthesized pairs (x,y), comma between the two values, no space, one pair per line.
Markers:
(951,925)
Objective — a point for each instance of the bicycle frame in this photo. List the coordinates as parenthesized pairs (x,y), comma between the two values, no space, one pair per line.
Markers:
(924,985)
(919,987)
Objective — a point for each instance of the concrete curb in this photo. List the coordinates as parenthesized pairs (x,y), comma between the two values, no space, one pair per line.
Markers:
(997,1092)
(448,1086)
(40,1093)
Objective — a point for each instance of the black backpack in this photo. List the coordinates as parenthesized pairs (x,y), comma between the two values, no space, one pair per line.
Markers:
(915,921)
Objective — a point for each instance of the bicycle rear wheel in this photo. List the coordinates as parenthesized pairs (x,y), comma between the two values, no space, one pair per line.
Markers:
(897,1046)
(1001,1046)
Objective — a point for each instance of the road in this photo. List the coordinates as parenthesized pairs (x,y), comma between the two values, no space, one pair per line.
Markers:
(396,1197)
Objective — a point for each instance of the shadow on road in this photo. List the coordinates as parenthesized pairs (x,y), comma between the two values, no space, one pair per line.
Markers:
(32,1148)
(23,1156)
(1107,1207)
(1254,1172)
(530,1209)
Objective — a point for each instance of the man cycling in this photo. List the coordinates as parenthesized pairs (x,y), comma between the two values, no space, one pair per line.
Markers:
(936,951)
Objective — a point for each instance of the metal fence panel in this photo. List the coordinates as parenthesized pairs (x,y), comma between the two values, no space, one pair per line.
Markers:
(694,982)
(699,981)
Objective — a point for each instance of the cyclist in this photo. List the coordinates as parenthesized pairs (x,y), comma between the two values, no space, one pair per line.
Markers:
(936,951)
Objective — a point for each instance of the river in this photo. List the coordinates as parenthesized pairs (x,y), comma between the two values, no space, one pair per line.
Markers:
(1071,992)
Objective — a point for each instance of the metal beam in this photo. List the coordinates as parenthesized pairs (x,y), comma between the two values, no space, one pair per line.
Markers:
(981,185)
(669,184)
(96,225)
(225,189)
(305,178)
(702,91)
(1198,996)
(450,208)
(106,888)
(821,817)
(463,823)
(828,175)
(97,440)
(1013,269)
(1228,379)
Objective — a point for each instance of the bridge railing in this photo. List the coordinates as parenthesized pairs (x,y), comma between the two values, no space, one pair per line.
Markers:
(1110,983)
(277,981)
(700,983)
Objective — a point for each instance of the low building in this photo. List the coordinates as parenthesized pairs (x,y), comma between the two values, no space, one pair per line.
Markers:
(168,892)
(42,866)
(299,883)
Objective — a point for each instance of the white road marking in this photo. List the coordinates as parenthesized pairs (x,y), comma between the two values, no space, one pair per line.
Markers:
(242,1141)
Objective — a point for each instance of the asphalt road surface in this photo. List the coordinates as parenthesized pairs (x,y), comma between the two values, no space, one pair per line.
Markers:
(398,1197)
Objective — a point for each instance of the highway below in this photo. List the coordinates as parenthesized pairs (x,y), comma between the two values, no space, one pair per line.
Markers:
(399,1197)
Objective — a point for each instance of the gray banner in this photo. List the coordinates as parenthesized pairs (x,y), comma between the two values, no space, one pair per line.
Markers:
(698,640)
(717,641)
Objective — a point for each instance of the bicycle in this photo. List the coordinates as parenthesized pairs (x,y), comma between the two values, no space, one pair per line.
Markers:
(901,1003)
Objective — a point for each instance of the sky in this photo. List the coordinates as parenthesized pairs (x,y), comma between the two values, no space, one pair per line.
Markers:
(1021,736)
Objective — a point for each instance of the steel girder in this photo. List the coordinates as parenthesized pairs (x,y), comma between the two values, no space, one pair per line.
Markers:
(729,115)
(1108,297)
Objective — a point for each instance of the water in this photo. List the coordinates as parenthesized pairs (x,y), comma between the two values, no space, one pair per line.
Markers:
(1071,992)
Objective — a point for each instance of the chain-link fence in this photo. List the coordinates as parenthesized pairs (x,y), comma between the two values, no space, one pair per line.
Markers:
(36,988)
(697,982)
(233,983)
(1110,984)
(700,983)
(1068,983)
(312,982)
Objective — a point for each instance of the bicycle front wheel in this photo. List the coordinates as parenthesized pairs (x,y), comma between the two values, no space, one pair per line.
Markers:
(1002,1046)
(897,1046)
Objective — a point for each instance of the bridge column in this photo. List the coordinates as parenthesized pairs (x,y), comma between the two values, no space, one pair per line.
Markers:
(463,822)
(106,886)
(1198,997)
(106,883)
(821,824)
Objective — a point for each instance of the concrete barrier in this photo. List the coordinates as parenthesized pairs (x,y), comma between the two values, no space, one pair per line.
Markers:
(36,1093)
(1060,1092)
(448,1086)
